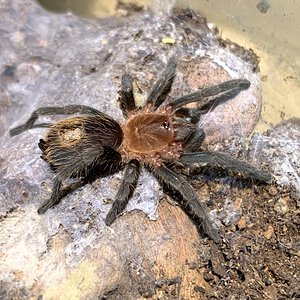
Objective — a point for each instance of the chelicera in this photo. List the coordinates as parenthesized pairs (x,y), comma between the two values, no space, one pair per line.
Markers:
(158,136)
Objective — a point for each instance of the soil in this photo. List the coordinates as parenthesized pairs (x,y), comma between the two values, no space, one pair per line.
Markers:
(260,258)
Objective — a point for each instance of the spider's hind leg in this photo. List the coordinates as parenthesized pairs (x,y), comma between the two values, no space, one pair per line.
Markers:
(52,110)
(190,199)
(84,166)
(58,193)
(129,182)
(54,199)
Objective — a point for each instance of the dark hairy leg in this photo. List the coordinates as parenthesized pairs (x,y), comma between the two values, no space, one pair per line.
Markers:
(54,199)
(178,183)
(193,114)
(87,165)
(58,193)
(194,141)
(52,110)
(217,159)
(162,86)
(41,125)
(130,178)
(206,96)
(126,98)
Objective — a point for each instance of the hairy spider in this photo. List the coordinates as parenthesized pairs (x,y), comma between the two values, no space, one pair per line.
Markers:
(156,136)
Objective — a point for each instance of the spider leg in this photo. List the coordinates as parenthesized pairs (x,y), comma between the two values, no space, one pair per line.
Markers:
(162,86)
(190,136)
(52,110)
(194,141)
(191,113)
(190,198)
(88,164)
(126,98)
(220,92)
(130,178)
(41,125)
(54,199)
(58,193)
(217,159)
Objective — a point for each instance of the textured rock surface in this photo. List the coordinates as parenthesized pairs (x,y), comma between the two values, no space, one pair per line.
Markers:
(280,148)
(69,253)
(52,59)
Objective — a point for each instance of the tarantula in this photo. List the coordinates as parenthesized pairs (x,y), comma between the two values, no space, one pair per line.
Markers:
(156,136)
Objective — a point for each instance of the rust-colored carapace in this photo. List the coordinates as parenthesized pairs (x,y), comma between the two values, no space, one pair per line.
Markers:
(146,133)
(150,135)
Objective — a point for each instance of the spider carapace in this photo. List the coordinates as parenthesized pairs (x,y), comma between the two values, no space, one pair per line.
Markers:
(159,136)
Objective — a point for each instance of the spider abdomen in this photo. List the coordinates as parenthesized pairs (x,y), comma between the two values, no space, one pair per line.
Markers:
(148,133)
(74,145)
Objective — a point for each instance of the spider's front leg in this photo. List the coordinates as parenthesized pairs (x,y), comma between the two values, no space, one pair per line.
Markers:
(190,136)
(127,102)
(52,110)
(191,201)
(163,85)
(194,141)
(217,159)
(193,114)
(128,185)
(213,94)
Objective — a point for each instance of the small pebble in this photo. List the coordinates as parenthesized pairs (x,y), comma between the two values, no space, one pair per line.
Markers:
(242,223)
(272,191)
(269,232)
(281,206)
(263,6)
